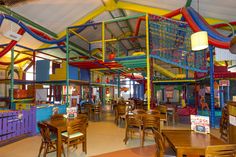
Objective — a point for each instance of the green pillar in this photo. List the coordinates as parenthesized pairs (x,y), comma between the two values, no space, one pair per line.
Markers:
(12,79)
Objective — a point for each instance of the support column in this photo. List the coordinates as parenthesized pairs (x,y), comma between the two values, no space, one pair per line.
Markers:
(67,66)
(221,97)
(118,85)
(12,79)
(148,65)
(212,113)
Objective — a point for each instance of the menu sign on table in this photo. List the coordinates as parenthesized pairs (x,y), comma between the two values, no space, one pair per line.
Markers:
(200,123)
(71,112)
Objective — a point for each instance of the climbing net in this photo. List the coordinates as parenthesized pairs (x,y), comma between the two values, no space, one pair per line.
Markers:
(170,42)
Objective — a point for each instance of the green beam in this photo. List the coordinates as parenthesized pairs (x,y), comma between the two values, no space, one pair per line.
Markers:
(79,49)
(124,18)
(188,3)
(27,21)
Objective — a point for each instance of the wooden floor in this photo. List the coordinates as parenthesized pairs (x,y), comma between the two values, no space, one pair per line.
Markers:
(147,151)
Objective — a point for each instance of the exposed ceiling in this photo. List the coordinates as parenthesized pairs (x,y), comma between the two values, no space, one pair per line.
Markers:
(57,15)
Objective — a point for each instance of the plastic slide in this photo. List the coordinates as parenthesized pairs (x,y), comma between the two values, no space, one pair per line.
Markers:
(167,73)
(11,44)
(211,38)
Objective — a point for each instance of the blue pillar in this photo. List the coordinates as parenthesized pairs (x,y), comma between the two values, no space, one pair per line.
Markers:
(228,93)
(212,113)
(221,97)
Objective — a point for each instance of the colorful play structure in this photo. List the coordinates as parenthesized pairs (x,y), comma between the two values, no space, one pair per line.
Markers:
(161,68)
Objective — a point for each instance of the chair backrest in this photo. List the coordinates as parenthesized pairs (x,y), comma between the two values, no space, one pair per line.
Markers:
(151,121)
(97,109)
(77,125)
(44,131)
(227,150)
(133,120)
(121,109)
(160,144)
(153,112)
(162,109)
(57,117)
(139,111)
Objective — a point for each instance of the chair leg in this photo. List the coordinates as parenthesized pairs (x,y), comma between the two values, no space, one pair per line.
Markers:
(68,149)
(40,149)
(45,150)
(126,136)
(63,150)
(142,137)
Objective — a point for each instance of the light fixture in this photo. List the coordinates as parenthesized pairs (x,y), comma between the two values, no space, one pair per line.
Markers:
(199,41)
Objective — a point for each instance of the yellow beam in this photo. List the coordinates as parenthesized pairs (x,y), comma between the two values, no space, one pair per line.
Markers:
(81,21)
(104,69)
(107,40)
(156,11)
(80,36)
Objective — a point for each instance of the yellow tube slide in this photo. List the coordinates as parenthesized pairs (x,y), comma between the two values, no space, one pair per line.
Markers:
(167,73)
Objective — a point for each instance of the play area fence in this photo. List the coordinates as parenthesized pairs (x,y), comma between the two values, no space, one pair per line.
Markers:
(14,124)
(170,43)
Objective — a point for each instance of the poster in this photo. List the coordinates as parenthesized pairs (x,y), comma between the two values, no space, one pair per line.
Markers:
(200,123)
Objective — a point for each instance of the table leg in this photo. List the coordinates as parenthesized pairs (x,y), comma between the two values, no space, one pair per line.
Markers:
(179,153)
(59,143)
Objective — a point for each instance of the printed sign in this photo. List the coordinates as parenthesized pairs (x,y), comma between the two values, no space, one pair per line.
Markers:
(224,82)
(71,112)
(200,123)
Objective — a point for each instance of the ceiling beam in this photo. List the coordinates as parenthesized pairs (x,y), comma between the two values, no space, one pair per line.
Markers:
(81,21)
(157,11)
(27,21)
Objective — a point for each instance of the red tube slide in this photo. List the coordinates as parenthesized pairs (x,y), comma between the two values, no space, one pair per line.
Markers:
(140,19)
(195,28)
(11,44)
(224,24)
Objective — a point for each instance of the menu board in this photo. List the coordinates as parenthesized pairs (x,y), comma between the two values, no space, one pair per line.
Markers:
(200,123)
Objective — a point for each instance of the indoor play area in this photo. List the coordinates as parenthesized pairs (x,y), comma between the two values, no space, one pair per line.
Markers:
(102,62)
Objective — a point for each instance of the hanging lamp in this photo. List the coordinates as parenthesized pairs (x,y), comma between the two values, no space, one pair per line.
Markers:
(199,41)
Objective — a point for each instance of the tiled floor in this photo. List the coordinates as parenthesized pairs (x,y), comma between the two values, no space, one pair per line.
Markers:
(103,137)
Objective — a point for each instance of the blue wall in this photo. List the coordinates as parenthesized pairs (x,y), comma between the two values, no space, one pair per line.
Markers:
(42,70)
(73,73)
(85,74)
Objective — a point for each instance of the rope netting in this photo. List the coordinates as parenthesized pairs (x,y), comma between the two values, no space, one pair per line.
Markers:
(170,42)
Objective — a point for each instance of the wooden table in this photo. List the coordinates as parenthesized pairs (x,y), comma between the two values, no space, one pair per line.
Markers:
(187,141)
(58,126)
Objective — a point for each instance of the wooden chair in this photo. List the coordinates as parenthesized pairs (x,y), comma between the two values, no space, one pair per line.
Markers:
(228,150)
(160,144)
(76,134)
(97,111)
(224,124)
(120,114)
(133,124)
(57,117)
(88,109)
(48,140)
(163,113)
(150,122)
